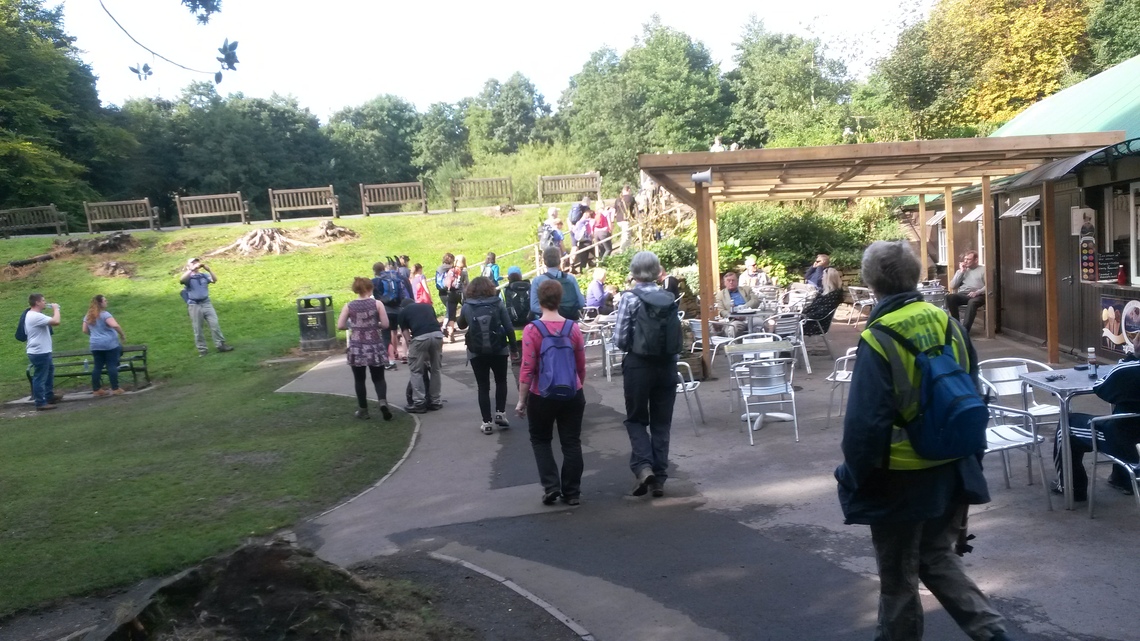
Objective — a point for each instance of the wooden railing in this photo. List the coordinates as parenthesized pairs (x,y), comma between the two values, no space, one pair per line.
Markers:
(392,194)
(577,185)
(480,189)
(121,211)
(309,198)
(223,206)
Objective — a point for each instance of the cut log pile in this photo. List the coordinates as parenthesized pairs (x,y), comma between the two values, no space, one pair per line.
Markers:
(114,242)
(268,240)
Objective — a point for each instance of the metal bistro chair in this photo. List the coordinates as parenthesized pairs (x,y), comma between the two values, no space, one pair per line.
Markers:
(934,295)
(611,355)
(715,341)
(589,313)
(762,383)
(1001,377)
(840,378)
(1002,435)
(1133,468)
(818,322)
(861,300)
(735,360)
(687,385)
(789,325)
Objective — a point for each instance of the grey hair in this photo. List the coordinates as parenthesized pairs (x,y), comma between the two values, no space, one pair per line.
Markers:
(645,267)
(890,267)
(552,256)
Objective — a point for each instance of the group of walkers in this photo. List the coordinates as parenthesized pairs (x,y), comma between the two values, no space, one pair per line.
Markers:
(590,230)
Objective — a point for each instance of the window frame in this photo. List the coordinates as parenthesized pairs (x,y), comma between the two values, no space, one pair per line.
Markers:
(1028,228)
(981,243)
(942,248)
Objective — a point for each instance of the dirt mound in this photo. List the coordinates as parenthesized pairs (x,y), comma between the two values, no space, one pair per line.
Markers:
(278,591)
(114,269)
(111,243)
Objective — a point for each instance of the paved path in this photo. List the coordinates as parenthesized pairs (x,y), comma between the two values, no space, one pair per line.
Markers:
(748,543)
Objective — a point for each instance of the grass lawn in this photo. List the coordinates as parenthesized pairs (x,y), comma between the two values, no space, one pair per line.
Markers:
(102,493)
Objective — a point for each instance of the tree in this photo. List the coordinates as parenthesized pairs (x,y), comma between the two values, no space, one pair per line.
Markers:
(504,116)
(442,137)
(663,94)
(372,143)
(785,79)
(1114,28)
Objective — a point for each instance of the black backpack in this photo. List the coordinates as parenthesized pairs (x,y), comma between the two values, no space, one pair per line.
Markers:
(568,307)
(21,333)
(485,333)
(517,297)
(656,326)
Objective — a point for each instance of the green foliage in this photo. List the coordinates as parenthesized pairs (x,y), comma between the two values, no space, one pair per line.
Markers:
(442,138)
(504,116)
(528,163)
(674,252)
(787,237)
(1114,28)
(371,143)
(617,268)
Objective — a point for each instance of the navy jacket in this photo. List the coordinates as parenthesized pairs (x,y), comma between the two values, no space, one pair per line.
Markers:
(869,493)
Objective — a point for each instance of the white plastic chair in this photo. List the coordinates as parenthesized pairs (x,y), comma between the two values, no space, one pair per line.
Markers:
(762,383)
(861,299)
(1002,378)
(789,325)
(687,385)
(698,336)
(1132,468)
(1020,433)
(840,378)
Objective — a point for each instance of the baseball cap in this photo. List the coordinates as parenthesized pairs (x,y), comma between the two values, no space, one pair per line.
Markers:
(193,260)
(514,270)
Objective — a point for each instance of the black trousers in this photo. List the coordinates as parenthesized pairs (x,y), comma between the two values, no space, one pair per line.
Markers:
(953,301)
(482,366)
(358,374)
(542,414)
(650,391)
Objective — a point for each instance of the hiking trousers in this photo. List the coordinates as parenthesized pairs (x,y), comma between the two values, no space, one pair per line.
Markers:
(483,366)
(425,354)
(911,551)
(542,414)
(204,313)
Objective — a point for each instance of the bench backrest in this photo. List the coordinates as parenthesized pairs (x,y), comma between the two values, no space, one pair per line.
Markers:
(576,184)
(301,199)
(120,211)
(479,188)
(32,217)
(391,194)
(211,205)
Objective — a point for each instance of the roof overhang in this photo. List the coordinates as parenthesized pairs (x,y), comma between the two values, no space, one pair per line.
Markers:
(863,170)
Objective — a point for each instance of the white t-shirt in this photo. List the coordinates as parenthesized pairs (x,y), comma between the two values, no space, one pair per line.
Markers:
(39,335)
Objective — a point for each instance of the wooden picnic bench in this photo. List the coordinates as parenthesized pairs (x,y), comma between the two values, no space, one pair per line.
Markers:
(308,198)
(577,185)
(392,194)
(480,188)
(121,211)
(23,218)
(224,206)
(77,363)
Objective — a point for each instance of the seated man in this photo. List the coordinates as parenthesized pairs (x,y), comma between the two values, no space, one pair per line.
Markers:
(733,296)
(969,287)
(814,273)
(1121,388)
(753,276)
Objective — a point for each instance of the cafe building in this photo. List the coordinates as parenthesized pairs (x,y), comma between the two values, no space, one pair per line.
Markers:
(1064,264)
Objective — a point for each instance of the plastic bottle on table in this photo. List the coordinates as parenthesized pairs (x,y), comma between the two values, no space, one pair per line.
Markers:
(1092,362)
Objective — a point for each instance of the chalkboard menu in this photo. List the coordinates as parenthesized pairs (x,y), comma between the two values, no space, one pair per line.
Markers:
(1107,264)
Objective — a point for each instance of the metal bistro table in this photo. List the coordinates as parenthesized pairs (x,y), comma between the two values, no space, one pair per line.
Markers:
(757,347)
(754,316)
(1065,384)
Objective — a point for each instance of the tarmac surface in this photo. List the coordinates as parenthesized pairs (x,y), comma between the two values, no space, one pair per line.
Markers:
(748,543)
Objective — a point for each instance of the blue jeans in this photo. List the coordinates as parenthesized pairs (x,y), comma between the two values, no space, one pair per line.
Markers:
(650,390)
(108,358)
(43,378)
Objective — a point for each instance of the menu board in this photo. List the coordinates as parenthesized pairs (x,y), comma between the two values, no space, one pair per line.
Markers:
(1088,259)
(1108,263)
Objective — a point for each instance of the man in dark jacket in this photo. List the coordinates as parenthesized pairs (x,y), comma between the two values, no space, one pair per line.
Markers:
(425,356)
(916,508)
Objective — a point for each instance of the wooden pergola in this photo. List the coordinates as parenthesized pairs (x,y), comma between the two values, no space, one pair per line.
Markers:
(918,167)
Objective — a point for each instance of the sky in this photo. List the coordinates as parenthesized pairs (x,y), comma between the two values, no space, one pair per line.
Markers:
(332,54)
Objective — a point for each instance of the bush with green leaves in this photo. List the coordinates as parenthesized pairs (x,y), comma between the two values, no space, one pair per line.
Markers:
(675,252)
(617,268)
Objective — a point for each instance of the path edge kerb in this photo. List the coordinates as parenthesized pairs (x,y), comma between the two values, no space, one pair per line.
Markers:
(521,591)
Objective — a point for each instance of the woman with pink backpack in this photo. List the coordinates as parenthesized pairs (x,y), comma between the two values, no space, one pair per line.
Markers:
(550,392)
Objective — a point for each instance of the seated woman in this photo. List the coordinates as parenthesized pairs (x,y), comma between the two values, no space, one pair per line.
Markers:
(823,306)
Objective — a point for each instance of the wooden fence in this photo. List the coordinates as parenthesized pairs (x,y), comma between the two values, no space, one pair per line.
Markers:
(392,194)
(577,185)
(480,189)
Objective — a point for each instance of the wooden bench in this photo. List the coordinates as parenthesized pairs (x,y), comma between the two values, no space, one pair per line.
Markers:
(32,218)
(224,206)
(392,194)
(309,198)
(122,211)
(481,189)
(77,363)
(577,185)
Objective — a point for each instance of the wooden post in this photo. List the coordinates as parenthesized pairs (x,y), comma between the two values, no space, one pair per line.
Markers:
(363,202)
(1049,269)
(951,256)
(988,223)
(540,190)
(706,269)
(923,237)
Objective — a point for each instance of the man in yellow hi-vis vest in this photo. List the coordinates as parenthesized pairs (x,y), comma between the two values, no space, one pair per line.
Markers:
(916,507)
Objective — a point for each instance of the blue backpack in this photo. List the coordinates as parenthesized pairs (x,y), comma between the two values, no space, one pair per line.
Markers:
(952,415)
(386,289)
(557,369)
